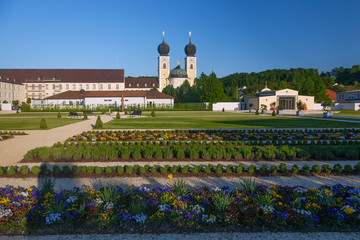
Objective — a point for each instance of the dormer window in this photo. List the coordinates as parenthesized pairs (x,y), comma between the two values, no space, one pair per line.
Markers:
(153,84)
(145,85)
(137,84)
(129,84)
(39,78)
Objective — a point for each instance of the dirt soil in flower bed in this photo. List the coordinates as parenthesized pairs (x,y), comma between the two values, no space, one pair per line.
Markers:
(39,160)
(175,175)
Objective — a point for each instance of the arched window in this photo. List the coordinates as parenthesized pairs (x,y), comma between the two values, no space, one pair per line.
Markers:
(191,66)
(164,65)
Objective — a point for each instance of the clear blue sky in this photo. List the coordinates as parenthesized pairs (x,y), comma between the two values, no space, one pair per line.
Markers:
(230,36)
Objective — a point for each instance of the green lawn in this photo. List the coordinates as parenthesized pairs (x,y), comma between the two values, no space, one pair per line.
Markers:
(189,120)
(347,113)
(38,114)
(33,123)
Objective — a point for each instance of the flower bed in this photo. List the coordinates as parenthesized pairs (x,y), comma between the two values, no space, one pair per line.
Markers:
(178,171)
(225,135)
(178,151)
(171,209)
(7,135)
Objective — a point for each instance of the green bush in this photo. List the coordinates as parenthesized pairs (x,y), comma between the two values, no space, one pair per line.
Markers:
(1,170)
(128,169)
(136,155)
(257,112)
(273,114)
(229,169)
(90,169)
(118,115)
(168,154)
(108,170)
(66,170)
(208,170)
(219,169)
(338,168)
(99,123)
(185,169)
(179,153)
(294,169)
(11,170)
(153,169)
(357,167)
(36,170)
(305,168)
(135,167)
(325,168)
(239,168)
(44,169)
(75,170)
(59,115)
(273,169)
(193,154)
(316,169)
(56,170)
(251,168)
(120,169)
(24,170)
(97,170)
(348,168)
(283,168)
(153,113)
(141,170)
(43,124)
(263,169)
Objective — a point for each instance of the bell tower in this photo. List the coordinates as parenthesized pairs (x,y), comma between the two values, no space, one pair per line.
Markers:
(190,61)
(163,63)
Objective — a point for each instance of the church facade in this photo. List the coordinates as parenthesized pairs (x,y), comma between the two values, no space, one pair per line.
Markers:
(176,76)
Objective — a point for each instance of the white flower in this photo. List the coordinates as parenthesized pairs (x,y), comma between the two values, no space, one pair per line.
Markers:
(163,207)
(25,194)
(108,205)
(98,201)
(71,199)
(5,212)
(216,189)
(302,212)
(267,208)
(198,209)
(206,218)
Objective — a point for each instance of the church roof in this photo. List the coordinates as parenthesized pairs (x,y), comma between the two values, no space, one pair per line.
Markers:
(141,83)
(178,73)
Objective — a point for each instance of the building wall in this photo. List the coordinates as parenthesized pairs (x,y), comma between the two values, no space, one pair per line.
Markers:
(161,101)
(228,106)
(268,100)
(286,91)
(190,67)
(350,96)
(254,101)
(308,100)
(163,73)
(63,101)
(40,90)
(11,92)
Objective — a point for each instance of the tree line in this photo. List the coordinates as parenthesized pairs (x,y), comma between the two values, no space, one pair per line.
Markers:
(210,88)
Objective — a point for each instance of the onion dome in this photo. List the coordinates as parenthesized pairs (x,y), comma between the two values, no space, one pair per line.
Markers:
(178,72)
(190,49)
(163,47)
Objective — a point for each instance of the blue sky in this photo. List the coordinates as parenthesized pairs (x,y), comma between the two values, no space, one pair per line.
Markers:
(230,36)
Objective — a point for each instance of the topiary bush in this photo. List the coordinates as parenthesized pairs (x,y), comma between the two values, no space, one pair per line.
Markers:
(97,170)
(348,168)
(24,170)
(36,170)
(59,115)
(66,170)
(11,170)
(153,113)
(120,169)
(108,170)
(99,123)
(283,168)
(263,169)
(128,169)
(273,114)
(305,168)
(56,170)
(273,169)
(43,124)
(118,115)
(326,169)
(75,170)
(316,169)
(295,169)
(338,168)
(90,169)
(239,168)
(251,169)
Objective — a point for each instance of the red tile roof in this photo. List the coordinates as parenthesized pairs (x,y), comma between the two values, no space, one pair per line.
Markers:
(331,94)
(90,94)
(141,83)
(9,80)
(66,75)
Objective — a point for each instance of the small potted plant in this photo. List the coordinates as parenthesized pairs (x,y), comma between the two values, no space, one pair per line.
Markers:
(251,107)
(299,106)
(327,105)
(263,108)
(304,106)
(279,110)
(273,106)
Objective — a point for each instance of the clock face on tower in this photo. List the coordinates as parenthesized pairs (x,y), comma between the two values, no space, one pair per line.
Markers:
(164,59)
(191,60)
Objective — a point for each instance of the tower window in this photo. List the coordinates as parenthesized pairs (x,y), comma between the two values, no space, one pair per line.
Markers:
(164,65)
(191,66)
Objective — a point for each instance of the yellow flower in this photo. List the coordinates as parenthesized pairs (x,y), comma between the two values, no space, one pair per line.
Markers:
(349,210)
(280,203)
(170,176)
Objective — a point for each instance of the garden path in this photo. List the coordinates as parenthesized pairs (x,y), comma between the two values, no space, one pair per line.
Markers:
(13,150)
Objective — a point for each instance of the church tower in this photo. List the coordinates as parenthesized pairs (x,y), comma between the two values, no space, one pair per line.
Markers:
(190,61)
(164,63)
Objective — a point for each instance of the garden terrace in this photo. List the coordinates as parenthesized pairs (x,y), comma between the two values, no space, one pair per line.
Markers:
(249,207)
(195,151)
(217,135)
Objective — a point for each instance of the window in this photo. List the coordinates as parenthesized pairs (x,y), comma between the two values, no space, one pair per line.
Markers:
(5,95)
(94,86)
(40,95)
(5,85)
(117,86)
(60,86)
(164,65)
(191,66)
(109,86)
(145,85)
(74,86)
(47,86)
(101,86)
(47,94)
(80,86)
(137,84)
(0,94)
(129,84)
(26,95)
(40,87)
(33,86)
(153,84)
(64,102)
(53,86)
(87,86)
(33,95)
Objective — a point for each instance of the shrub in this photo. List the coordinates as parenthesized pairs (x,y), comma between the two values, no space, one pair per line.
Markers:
(136,155)
(141,170)
(108,170)
(97,170)
(36,170)
(338,168)
(125,153)
(251,168)
(193,154)
(185,169)
(1,170)
(24,170)
(179,153)
(120,169)
(223,110)
(206,155)
(295,169)
(99,123)
(153,113)
(283,168)
(128,169)
(227,155)
(168,154)
(43,124)
(85,117)
(229,169)
(273,114)
(147,153)
(257,112)
(237,155)
(56,170)
(208,169)
(239,168)
(357,167)
(44,169)
(219,169)
(75,170)
(305,168)
(316,169)
(135,167)
(158,153)
(90,169)
(273,169)
(348,168)
(326,168)
(263,169)
(153,169)
(118,115)
(66,170)
(59,115)
(11,170)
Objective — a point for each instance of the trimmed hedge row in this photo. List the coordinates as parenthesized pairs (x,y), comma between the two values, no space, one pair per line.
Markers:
(209,169)
(12,133)
(194,150)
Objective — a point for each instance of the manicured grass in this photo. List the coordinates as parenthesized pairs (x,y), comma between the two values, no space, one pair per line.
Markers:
(38,114)
(33,123)
(347,113)
(204,120)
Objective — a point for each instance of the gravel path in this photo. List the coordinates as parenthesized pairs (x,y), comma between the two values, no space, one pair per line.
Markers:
(200,236)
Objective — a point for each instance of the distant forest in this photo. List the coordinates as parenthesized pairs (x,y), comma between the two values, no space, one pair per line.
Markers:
(209,88)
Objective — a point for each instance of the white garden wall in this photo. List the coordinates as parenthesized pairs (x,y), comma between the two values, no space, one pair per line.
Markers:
(228,106)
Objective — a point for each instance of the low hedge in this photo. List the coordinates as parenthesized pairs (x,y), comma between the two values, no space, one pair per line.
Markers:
(186,169)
